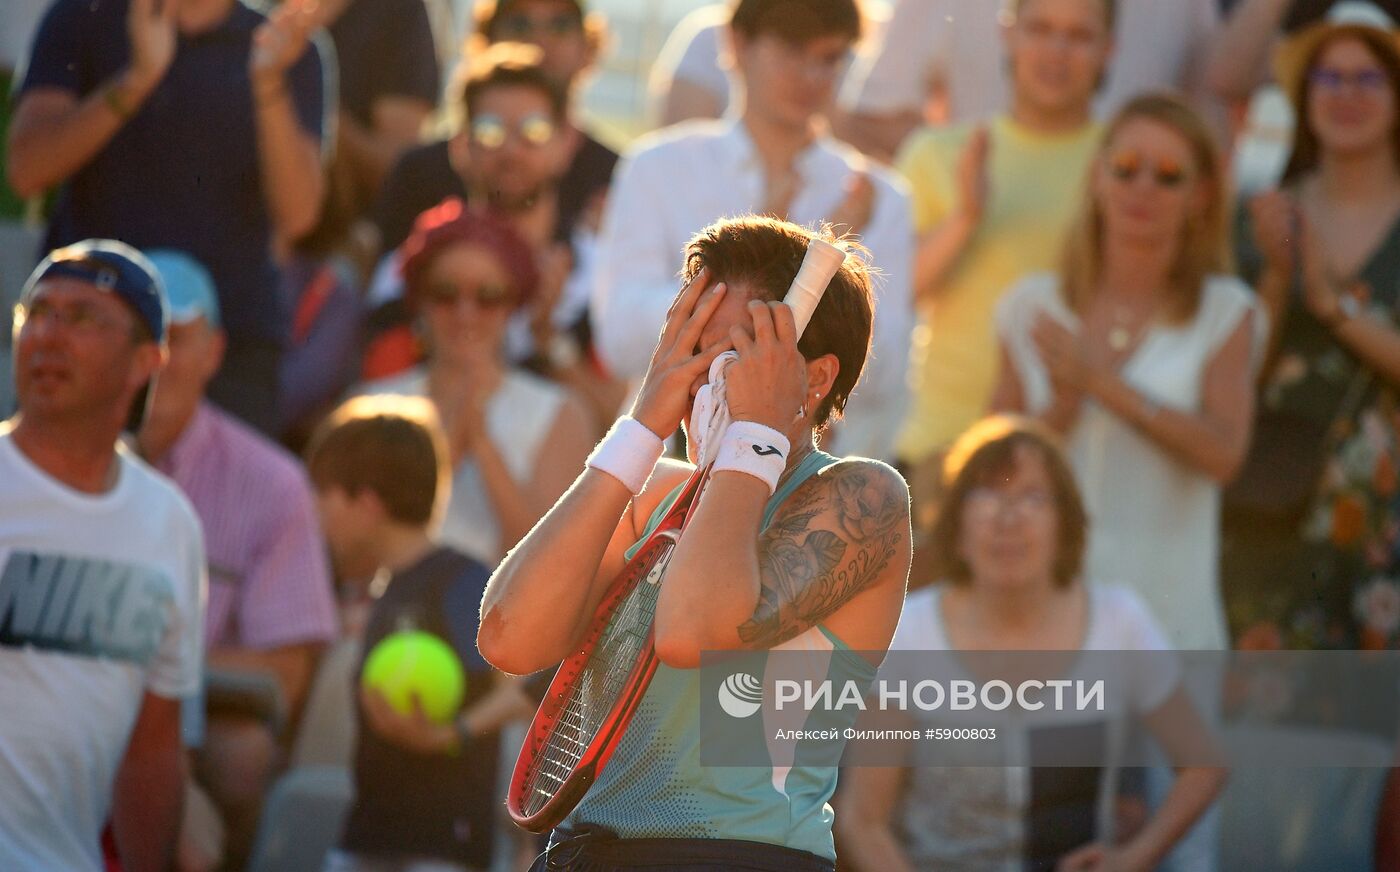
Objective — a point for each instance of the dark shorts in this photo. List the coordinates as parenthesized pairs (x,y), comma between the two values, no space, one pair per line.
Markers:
(601,851)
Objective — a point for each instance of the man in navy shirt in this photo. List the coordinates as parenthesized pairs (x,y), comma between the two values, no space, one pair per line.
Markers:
(187,124)
(568,40)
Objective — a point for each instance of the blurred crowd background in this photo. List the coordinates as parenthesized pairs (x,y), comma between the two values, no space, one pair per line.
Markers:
(1169,230)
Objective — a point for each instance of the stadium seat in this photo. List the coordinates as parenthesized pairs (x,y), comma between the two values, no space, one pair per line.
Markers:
(326,736)
(302,819)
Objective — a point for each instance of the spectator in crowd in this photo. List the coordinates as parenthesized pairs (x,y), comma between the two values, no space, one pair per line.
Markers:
(953,45)
(192,125)
(775,160)
(518,145)
(688,79)
(93,672)
(568,40)
(1238,62)
(992,201)
(271,605)
(387,70)
(1011,536)
(425,792)
(321,292)
(1141,349)
(1311,524)
(691,78)
(515,439)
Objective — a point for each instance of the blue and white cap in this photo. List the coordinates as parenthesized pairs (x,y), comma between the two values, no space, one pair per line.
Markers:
(109,266)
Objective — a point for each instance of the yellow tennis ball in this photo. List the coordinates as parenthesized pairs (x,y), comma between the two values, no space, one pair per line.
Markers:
(414,662)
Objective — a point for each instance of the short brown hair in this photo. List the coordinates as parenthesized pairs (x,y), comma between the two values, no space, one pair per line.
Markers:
(765,253)
(1110,12)
(392,446)
(986,454)
(506,64)
(796,21)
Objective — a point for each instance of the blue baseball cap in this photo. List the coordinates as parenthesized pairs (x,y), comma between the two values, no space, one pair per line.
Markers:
(189,289)
(109,266)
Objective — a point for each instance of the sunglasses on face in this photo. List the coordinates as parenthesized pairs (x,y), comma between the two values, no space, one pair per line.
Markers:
(517,26)
(1328,79)
(1127,166)
(488,296)
(491,131)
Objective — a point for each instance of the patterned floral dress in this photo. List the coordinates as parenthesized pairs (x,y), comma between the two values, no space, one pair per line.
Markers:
(1311,551)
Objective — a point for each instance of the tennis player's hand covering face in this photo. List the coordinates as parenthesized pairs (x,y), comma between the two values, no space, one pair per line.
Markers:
(676,370)
(768,383)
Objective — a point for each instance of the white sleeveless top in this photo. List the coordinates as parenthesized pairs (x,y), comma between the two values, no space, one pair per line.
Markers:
(518,417)
(1154,521)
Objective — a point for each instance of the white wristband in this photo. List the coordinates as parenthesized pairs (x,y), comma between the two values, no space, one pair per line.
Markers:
(628,453)
(755,449)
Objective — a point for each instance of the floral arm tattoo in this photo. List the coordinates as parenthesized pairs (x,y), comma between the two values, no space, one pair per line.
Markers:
(807,574)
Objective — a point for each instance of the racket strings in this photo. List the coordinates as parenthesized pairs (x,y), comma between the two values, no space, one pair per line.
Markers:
(600,683)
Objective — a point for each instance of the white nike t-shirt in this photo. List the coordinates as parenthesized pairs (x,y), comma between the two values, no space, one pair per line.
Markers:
(101,599)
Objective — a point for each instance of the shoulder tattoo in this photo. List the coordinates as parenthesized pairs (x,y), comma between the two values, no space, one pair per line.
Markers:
(808,573)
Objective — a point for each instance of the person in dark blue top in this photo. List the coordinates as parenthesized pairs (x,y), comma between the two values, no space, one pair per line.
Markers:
(568,39)
(389,83)
(425,791)
(193,125)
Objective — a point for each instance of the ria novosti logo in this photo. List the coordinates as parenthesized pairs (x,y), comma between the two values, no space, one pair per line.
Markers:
(741,695)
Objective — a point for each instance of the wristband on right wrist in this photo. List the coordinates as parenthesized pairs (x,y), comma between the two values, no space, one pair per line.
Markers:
(628,453)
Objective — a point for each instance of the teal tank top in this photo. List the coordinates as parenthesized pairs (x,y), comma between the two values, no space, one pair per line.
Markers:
(654,787)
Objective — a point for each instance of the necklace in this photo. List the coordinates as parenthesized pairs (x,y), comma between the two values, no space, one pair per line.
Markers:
(1123,332)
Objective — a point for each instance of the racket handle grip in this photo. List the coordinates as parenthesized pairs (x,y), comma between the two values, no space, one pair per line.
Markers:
(819,265)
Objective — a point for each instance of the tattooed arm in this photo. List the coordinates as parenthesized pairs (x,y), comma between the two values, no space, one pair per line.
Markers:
(837,553)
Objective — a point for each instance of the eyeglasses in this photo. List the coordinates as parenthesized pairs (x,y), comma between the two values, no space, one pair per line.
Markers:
(491,131)
(517,26)
(487,296)
(1328,79)
(987,503)
(1127,166)
(81,318)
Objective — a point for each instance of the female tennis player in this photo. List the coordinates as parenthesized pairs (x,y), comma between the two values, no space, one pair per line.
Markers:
(788,547)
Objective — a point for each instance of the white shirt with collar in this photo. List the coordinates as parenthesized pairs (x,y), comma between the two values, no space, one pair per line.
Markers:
(679,180)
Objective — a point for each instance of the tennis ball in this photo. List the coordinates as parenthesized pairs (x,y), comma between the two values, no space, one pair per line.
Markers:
(414,662)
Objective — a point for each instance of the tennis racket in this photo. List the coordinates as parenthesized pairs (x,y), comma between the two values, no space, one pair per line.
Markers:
(596,691)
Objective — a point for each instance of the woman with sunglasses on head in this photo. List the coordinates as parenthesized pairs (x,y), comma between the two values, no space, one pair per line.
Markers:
(1312,526)
(1141,351)
(465,272)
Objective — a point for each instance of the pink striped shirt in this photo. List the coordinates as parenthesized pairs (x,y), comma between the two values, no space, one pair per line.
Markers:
(269,579)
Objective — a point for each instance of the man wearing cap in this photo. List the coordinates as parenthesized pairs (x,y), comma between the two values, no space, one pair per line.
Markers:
(271,605)
(101,577)
(190,124)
